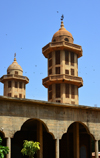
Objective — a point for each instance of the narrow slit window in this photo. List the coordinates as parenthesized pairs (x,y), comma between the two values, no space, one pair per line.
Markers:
(16,72)
(15,96)
(50,63)
(20,95)
(72,91)
(58,91)
(50,71)
(9,84)
(67,90)
(66,71)
(50,95)
(66,57)
(50,55)
(57,57)
(20,85)
(9,94)
(72,58)
(57,70)
(16,84)
(72,71)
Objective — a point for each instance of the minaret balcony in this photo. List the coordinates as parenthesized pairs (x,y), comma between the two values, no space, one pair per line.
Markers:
(14,77)
(63,45)
(62,78)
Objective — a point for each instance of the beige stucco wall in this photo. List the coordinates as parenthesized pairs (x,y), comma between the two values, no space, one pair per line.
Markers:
(57,117)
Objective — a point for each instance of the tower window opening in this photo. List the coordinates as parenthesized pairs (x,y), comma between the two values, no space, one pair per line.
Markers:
(50,63)
(16,72)
(72,102)
(15,96)
(72,71)
(50,71)
(58,91)
(20,84)
(66,71)
(9,94)
(50,95)
(66,39)
(9,84)
(16,84)
(72,91)
(57,57)
(67,90)
(20,95)
(58,101)
(50,92)
(24,86)
(72,58)
(8,73)
(66,57)
(57,70)
(54,40)
(50,88)
(50,55)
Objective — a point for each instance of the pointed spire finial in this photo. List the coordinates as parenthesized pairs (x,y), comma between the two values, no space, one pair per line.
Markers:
(14,56)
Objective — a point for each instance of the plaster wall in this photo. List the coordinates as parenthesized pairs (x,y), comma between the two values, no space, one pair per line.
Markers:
(55,116)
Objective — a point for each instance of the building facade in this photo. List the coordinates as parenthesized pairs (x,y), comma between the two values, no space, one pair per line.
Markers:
(64,128)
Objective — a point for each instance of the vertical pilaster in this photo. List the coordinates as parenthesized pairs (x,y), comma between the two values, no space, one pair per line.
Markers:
(57,148)
(96,148)
(76,140)
(40,139)
(9,146)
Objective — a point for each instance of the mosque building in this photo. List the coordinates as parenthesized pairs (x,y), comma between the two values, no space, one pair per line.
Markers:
(64,128)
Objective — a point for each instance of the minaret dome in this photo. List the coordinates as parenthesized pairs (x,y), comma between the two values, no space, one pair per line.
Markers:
(62,35)
(14,82)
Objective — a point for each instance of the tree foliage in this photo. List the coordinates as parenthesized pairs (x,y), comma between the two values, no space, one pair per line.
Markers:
(30,148)
(3,149)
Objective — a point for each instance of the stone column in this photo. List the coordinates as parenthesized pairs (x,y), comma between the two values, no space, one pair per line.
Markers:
(40,139)
(96,148)
(76,140)
(57,148)
(9,146)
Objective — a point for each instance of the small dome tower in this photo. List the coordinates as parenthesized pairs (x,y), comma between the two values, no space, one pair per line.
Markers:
(62,81)
(14,82)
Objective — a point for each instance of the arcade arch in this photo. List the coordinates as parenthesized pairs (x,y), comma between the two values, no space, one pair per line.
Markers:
(76,142)
(36,130)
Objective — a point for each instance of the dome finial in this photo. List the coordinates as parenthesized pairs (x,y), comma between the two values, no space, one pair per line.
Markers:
(62,17)
(14,56)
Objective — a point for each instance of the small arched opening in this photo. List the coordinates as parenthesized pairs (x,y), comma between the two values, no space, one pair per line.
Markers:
(3,138)
(35,130)
(76,142)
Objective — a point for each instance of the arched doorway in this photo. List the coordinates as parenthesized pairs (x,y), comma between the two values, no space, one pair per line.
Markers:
(35,130)
(3,138)
(76,142)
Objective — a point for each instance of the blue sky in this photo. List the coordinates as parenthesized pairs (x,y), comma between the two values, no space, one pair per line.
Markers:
(28,25)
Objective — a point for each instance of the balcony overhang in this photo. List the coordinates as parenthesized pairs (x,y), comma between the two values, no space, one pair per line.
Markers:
(14,77)
(63,45)
(62,78)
